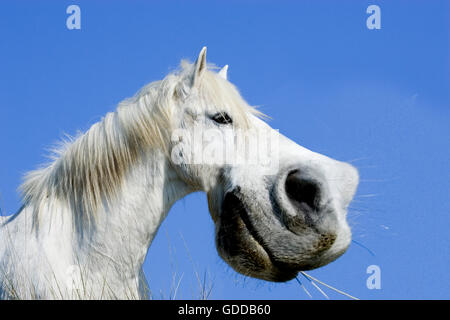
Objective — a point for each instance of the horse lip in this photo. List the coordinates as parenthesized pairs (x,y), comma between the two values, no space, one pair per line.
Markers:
(285,271)
(233,202)
(281,271)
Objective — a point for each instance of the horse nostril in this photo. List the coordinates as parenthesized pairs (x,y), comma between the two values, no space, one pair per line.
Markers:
(303,190)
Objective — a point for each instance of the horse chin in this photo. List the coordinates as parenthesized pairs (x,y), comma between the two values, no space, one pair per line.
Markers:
(240,243)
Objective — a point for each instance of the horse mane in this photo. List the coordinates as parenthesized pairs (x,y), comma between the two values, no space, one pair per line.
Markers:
(86,172)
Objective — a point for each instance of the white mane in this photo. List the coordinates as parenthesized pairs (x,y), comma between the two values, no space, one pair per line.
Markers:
(87,171)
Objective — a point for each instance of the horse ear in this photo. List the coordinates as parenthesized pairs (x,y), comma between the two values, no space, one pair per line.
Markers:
(223,72)
(200,67)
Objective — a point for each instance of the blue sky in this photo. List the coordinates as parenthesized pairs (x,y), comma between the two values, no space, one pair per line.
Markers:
(379,98)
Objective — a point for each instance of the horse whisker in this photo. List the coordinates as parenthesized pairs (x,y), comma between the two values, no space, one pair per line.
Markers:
(316,286)
(312,279)
(363,246)
(367,195)
(304,288)
(376,180)
(358,159)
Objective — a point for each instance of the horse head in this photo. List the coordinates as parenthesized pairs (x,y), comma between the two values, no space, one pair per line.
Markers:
(278,207)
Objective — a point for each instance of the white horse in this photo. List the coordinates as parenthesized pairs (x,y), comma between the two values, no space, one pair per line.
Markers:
(89,217)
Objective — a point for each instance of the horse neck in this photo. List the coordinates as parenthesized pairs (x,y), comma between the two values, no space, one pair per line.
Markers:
(125,230)
(116,248)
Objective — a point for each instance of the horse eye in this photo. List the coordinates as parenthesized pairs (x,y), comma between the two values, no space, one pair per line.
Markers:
(222,118)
